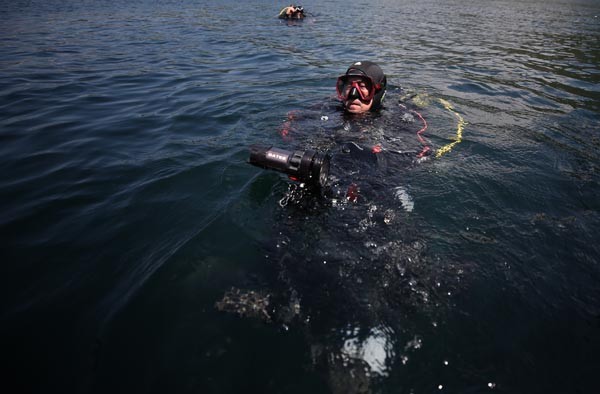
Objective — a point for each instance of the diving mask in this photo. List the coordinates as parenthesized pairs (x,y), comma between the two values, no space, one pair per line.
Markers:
(356,86)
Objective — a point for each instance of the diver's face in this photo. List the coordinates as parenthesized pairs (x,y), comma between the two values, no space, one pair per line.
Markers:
(357,105)
(356,94)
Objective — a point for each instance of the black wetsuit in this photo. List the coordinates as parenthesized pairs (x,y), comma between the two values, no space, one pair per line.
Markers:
(349,256)
(359,221)
(370,152)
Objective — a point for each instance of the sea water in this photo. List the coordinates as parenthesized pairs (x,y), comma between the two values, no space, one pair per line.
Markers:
(141,253)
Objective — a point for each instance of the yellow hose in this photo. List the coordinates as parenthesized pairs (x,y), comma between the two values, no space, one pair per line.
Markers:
(459,130)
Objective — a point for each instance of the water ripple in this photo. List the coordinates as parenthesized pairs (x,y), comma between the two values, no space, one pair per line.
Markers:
(123,135)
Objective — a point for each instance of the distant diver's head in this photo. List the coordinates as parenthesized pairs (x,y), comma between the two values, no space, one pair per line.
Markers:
(299,11)
(362,88)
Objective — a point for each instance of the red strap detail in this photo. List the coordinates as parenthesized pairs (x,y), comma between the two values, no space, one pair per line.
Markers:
(352,193)
(422,140)
(286,130)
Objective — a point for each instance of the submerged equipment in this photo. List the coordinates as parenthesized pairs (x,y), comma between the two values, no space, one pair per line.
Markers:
(307,166)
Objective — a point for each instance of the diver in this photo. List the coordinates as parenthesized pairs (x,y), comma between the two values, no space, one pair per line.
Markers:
(292,12)
(366,148)
(347,256)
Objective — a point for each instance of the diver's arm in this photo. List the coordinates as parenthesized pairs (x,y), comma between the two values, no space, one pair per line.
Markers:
(283,13)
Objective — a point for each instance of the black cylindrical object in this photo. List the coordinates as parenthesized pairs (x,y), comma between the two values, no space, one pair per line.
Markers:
(308,166)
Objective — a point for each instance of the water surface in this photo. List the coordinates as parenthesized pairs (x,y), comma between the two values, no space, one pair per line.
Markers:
(128,211)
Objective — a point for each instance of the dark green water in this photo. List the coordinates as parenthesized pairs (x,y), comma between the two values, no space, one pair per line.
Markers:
(133,231)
